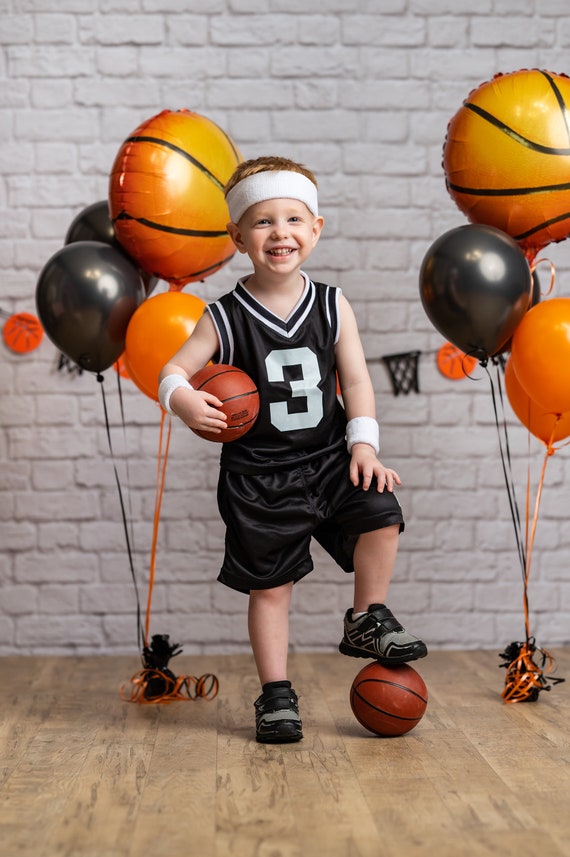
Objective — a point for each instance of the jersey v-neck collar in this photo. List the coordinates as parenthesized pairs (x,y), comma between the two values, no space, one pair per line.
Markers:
(287,327)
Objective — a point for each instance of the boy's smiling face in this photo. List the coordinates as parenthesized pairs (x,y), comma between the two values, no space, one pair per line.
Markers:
(277,234)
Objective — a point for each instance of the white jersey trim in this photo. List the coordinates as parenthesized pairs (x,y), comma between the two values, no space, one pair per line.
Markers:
(285,327)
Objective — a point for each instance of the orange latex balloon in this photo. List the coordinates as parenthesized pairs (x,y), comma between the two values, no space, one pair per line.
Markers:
(166,196)
(507,157)
(157,329)
(540,352)
(540,423)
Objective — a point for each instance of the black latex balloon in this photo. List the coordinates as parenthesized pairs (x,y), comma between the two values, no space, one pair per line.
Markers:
(94,224)
(535,296)
(475,286)
(85,297)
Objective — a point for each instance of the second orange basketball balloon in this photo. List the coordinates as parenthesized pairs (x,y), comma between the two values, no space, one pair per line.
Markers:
(166,196)
(507,160)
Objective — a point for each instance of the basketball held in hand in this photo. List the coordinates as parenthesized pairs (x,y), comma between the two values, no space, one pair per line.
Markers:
(388,701)
(238,393)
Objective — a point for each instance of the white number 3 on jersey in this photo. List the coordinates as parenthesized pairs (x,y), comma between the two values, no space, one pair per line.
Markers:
(306,386)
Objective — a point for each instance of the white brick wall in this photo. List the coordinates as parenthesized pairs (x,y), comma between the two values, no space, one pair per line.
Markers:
(361,91)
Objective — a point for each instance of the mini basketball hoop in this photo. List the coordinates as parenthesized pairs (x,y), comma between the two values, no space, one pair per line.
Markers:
(403,371)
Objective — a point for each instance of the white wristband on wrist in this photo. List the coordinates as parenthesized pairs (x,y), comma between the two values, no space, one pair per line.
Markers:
(363,430)
(166,388)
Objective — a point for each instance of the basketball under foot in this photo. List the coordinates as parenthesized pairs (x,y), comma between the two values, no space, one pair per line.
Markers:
(277,718)
(379,635)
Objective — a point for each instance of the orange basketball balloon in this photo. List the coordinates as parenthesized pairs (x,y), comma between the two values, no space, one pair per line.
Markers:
(166,196)
(540,352)
(548,427)
(507,157)
(157,329)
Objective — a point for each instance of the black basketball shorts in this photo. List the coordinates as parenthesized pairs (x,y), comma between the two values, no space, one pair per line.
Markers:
(270,519)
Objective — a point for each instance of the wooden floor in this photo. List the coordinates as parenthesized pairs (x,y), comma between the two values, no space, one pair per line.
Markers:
(84,774)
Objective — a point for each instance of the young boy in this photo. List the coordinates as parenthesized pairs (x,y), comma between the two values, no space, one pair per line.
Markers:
(308,467)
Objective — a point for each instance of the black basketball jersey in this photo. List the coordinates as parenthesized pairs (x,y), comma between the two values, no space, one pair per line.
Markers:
(292,363)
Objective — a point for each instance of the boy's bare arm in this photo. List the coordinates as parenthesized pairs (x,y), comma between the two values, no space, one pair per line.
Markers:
(199,410)
(359,401)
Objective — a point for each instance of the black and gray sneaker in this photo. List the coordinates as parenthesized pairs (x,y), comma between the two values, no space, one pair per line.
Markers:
(379,635)
(277,718)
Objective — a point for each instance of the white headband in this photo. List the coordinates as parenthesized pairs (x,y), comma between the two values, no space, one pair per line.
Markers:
(271,184)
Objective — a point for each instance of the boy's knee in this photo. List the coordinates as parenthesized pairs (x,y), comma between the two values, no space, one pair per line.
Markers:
(273,595)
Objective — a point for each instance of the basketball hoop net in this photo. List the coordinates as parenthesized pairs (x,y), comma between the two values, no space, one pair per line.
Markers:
(403,371)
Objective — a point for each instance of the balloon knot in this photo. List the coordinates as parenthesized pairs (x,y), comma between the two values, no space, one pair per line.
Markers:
(100,377)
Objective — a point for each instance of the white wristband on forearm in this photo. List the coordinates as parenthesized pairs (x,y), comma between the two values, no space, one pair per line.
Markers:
(363,430)
(166,388)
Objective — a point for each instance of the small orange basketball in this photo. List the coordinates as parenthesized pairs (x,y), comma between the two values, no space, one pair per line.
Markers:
(22,332)
(239,396)
(507,157)
(166,196)
(454,363)
(388,700)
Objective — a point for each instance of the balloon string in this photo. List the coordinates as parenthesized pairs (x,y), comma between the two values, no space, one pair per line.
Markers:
(160,480)
(507,466)
(525,677)
(527,507)
(124,427)
(534,266)
(100,378)
(531,535)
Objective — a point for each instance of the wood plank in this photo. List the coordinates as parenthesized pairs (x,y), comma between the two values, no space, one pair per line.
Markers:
(85,774)
(253,806)
(326,792)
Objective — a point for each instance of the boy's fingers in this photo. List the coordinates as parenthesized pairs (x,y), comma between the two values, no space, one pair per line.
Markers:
(353,472)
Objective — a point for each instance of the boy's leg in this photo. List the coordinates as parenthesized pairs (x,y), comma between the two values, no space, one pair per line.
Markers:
(276,710)
(268,624)
(376,633)
(374,558)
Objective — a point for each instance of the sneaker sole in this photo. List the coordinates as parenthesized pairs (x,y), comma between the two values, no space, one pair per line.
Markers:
(353,652)
(285,738)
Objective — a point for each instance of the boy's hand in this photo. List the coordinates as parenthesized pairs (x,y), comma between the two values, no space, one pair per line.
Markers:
(199,410)
(365,464)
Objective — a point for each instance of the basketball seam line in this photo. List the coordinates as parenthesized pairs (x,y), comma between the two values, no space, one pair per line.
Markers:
(514,135)
(508,191)
(175,230)
(144,138)
(395,716)
(390,684)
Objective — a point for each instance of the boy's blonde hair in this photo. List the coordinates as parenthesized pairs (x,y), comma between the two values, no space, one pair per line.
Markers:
(266,163)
